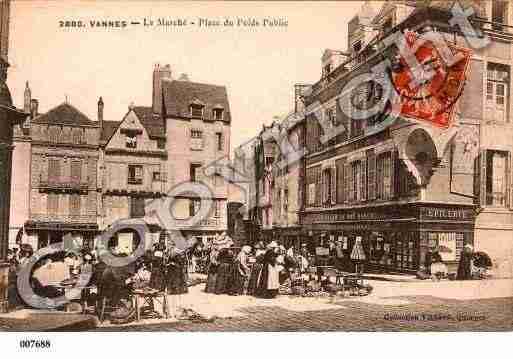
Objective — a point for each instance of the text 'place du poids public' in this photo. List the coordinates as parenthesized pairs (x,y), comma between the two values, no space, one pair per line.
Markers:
(244,22)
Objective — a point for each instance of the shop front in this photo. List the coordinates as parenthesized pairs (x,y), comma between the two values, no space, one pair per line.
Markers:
(396,237)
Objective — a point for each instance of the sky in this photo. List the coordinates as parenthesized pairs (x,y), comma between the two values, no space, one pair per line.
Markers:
(258,65)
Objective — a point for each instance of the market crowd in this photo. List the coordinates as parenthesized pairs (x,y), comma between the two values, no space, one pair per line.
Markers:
(257,270)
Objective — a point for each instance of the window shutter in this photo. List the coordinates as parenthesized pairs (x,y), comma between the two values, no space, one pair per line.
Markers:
(363,179)
(394,157)
(340,164)
(482,178)
(333,193)
(350,182)
(509,181)
(323,187)
(54,170)
(318,187)
(76,169)
(371,175)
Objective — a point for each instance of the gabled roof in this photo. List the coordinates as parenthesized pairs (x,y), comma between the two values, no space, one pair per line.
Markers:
(65,114)
(179,95)
(153,124)
(108,130)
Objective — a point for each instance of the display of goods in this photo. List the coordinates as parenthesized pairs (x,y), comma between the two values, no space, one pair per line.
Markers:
(313,286)
(298,290)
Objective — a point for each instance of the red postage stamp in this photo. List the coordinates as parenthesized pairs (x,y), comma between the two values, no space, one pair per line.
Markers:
(428,94)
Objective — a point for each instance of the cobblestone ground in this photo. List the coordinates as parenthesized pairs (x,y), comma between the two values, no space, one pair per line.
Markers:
(426,313)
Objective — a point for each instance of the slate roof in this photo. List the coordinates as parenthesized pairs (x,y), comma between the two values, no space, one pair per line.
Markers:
(153,124)
(65,114)
(179,95)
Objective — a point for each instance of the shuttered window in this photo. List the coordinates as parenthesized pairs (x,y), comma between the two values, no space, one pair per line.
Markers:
(384,178)
(340,193)
(74,205)
(136,207)
(363,180)
(53,204)
(54,170)
(349,186)
(76,171)
(371,175)
(53,134)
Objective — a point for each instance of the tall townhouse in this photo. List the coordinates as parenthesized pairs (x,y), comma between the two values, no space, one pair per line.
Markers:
(133,169)
(10,117)
(197,122)
(63,177)
(409,186)
(278,175)
(20,184)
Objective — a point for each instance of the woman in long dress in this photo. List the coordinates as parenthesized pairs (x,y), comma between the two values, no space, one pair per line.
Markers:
(175,280)
(256,269)
(212,270)
(225,271)
(269,282)
(242,271)
(465,264)
(158,277)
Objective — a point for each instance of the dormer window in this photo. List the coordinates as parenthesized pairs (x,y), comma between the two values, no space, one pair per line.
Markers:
(131,140)
(196,110)
(218,114)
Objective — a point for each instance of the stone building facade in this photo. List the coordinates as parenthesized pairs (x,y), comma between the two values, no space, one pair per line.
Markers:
(63,177)
(133,163)
(152,150)
(197,120)
(411,186)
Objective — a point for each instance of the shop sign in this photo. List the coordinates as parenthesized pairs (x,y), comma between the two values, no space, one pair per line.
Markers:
(343,216)
(446,213)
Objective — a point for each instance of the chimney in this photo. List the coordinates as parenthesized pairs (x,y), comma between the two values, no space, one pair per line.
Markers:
(159,74)
(34,105)
(100,112)
(27,98)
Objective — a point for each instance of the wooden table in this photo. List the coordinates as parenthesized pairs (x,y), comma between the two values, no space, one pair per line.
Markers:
(147,295)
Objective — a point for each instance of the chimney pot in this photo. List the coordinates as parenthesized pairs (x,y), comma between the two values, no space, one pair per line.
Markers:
(34,107)
(100,111)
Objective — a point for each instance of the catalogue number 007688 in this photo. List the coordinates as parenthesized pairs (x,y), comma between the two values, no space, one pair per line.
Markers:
(35,344)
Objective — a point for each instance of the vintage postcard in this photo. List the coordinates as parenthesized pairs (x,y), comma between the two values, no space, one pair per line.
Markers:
(249,167)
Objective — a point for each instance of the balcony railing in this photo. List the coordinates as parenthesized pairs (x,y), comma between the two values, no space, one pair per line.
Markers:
(64,185)
(66,218)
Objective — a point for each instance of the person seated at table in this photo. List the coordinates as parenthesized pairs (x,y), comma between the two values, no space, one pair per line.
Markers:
(116,284)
